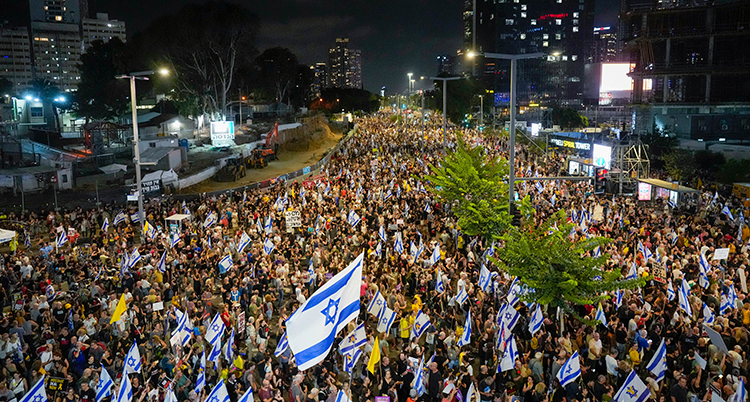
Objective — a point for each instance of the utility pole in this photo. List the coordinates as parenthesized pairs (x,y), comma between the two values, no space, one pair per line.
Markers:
(240,91)
(445,99)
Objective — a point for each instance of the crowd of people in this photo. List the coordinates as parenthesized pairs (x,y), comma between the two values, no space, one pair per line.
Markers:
(60,292)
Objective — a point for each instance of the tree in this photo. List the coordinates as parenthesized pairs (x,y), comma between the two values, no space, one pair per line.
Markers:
(278,72)
(100,95)
(6,87)
(205,45)
(472,183)
(568,118)
(733,171)
(679,164)
(556,268)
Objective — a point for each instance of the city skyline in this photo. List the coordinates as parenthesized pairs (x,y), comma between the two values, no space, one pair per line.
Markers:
(392,43)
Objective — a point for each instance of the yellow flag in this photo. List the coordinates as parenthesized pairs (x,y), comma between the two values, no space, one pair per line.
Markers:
(121,307)
(374,357)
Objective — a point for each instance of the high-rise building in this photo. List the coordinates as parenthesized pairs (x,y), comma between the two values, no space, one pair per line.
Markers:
(320,72)
(604,48)
(689,73)
(64,11)
(446,64)
(561,29)
(15,56)
(344,65)
(56,53)
(101,28)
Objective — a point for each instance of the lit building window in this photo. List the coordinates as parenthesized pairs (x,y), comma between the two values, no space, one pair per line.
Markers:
(523,36)
(523,15)
(523,7)
(545,36)
(575,29)
(575,15)
(565,58)
(545,43)
(558,36)
(574,57)
(58,18)
(533,22)
(558,22)
(508,21)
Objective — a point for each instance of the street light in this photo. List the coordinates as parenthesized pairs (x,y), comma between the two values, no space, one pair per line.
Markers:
(445,98)
(481,111)
(140,75)
(511,159)
(408,87)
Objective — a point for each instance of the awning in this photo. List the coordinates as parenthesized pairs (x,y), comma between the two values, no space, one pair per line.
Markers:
(669,186)
(113,168)
(6,235)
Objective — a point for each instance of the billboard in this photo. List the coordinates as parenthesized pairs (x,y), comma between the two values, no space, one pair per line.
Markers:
(222,133)
(614,82)
(602,156)
(644,192)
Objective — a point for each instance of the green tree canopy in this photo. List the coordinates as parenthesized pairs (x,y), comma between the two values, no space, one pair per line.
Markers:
(568,118)
(100,96)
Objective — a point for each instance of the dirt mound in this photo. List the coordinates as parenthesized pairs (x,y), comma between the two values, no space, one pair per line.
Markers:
(313,132)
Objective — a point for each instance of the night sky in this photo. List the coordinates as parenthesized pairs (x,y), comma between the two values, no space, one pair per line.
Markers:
(396,37)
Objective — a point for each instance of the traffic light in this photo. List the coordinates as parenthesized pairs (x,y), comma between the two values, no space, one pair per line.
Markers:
(600,180)
(515,215)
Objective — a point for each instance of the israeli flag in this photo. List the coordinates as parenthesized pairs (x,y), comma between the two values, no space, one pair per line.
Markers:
(508,317)
(229,346)
(62,239)
(427,208)
(162,266)
(210,220)
(570,370)
(439,285)
(600,315)
(149,230)
(350,359)
(353,218)
(185,209)
(244,241)
(708,315)
(341,397)
(618,298)
(310,272)
(413,250)
(104,386)
(175,240)
(135,256)
(727,212)
(419,378)
(421,323)
(740,395)
(184,330)
(399,244)
(310,335)
(509,356)
(598,252)
(376,304)
(466,336)
(684,292)
(435,257)
(215,330)
(553,200)
(705,266)
(355,339)
(268,226)
(219,393)
(537,319)
(658,363)
(215,352)
(133,360)
(120,217)
(268,246)
(247,396)
(514,292)
(632,272)
(282,346)
(462,296)
(105,225)
(200,382)
(485,279)
(385,319)
(670,291)
(125,393)
(260,227)
(225,264)
(632,390)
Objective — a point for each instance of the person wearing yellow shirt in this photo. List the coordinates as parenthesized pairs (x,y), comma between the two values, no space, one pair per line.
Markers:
(405,328)
(635,356)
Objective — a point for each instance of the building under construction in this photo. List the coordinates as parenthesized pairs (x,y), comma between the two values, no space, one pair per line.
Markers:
(691,76)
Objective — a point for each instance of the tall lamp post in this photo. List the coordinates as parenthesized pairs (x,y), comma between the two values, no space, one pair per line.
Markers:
(445,98)
(140,75)
(408,86)
(513,71)
(481,111)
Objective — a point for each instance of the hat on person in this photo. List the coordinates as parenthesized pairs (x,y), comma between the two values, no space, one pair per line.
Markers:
(538,355)
(413,393)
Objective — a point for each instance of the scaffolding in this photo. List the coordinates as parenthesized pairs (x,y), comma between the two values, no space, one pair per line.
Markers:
(630,163)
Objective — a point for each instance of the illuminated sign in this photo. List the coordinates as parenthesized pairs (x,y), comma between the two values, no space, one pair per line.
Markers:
(555,16)
(222,133)
(644,192)
(602,156)
(570,144)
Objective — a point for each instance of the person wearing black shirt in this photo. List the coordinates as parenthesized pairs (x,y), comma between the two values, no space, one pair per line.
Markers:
(87,394)
(678,391)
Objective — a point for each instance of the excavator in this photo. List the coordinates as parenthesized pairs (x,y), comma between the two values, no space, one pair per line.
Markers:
(267,152)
